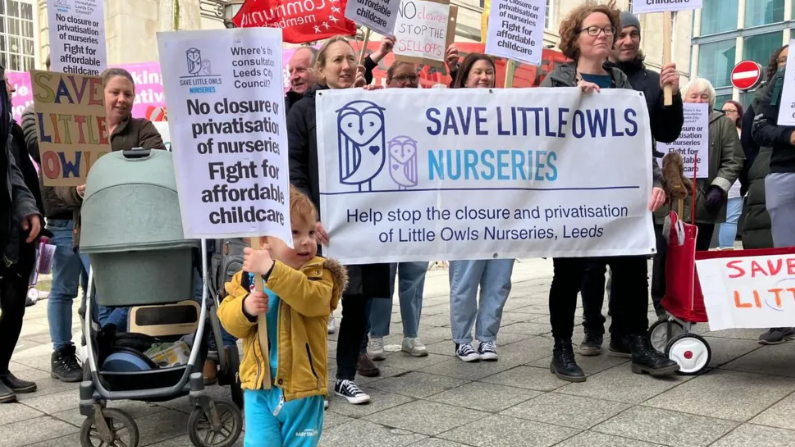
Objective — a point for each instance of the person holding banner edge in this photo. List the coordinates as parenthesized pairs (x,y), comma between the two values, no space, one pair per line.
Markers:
(587,37)
(666,125)
(336,68)
(492,276)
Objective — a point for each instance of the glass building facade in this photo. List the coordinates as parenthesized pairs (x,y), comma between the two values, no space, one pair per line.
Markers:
(726,32)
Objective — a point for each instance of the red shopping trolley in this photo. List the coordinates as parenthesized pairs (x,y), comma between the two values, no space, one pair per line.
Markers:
(684,300)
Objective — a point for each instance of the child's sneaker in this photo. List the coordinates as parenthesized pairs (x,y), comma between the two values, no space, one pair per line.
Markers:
(466,352)
(325,403)
(488,350)
(332,326)
(413,346)
(376,348)
(349,390)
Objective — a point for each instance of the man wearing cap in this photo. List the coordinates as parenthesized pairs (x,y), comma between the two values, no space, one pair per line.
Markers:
(666,124)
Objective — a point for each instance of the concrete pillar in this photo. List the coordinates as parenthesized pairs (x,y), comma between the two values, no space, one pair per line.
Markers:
(697,23)
(787,10)
(741,14)
(694,62)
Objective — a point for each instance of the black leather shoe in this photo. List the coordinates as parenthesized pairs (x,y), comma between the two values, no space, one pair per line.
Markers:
(6,395)
(619,347)
(591,345)
(365,366)
(563,365)
(17,385)
(646,360)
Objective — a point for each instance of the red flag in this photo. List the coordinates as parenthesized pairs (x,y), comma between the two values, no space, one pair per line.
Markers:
(300,20)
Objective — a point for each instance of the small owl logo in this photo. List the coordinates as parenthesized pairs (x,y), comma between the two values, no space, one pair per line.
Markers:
(403,161)
(194,57)
(361,143)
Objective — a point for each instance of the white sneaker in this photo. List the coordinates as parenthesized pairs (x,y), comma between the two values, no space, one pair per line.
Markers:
(376,348)
(487,350)
(467,353)
(413,346)
(332,326)
(325,404)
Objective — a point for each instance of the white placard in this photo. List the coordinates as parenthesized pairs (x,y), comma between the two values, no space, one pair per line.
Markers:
(225,104)
(165,134)
(647,6)
(378,15)
(749,292)
(421,31)
(77,36)
(693,141)
(786,111)
(436,174)
(516,30)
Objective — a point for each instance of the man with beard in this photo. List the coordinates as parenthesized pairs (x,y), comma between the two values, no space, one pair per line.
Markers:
(666,124)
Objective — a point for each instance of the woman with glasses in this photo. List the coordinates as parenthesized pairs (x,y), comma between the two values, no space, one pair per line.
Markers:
(727,232)
(587,36)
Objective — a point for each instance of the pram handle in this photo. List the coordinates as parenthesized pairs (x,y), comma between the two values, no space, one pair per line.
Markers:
(136,153)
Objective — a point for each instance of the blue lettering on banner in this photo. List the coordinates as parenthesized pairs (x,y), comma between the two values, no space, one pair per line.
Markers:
(511,164)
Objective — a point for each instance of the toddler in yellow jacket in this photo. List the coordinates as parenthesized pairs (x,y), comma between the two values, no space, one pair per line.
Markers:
(301,289)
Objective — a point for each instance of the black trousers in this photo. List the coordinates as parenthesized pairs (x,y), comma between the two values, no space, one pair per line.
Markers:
(628,304)
(14,282)
(705,232)
(353,327)
(593,296)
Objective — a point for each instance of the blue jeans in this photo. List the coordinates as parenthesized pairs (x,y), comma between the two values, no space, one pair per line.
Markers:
(107,315)
(67,272)
(728,230)
(411,284)
(494,278)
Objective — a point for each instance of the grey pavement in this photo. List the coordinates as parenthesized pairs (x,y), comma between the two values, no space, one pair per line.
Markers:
(747,398)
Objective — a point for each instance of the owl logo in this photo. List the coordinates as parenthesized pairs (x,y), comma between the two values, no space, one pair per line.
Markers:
(403,161)
(194,57)
(361,142)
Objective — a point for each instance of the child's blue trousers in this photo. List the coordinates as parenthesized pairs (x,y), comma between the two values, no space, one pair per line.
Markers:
(272,422)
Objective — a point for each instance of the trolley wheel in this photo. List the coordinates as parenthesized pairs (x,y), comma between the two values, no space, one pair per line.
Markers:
(202,433)
(658,333)
(691,352)
(123,428)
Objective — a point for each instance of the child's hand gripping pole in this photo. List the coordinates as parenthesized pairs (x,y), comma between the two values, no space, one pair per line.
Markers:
(262,324)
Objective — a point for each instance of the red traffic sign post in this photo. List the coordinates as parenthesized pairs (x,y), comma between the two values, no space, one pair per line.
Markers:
(746,75)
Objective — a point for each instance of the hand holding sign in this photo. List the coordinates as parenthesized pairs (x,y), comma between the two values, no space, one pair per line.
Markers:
(257,261)
(669,76)
(256,304)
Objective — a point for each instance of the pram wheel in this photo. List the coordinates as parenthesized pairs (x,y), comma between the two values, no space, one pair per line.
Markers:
(123,431)
(204,433)
(691,352)
(658,333)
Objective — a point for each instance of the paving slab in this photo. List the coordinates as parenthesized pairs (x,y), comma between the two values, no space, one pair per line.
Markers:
(566,410)
(620,384)
(484,396)
(418,384)
(367,434)
(428,418)
(748,435)
(505,431)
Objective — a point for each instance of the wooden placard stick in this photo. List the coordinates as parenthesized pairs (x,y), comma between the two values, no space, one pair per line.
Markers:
(262,323)
(366,39)
(510,70)
(668,90)
(681,208)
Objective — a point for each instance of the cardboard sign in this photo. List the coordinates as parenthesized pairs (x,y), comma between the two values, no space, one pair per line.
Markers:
(516,30)
(749,292)
(378,15)
(77,36)
(693,141)
(72,130)
(424,30)
(417,175)
(647,6)
(225,103)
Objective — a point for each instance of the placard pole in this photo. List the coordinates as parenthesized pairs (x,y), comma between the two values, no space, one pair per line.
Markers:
(363,53)
(668,90)
(262,324)
(510,70)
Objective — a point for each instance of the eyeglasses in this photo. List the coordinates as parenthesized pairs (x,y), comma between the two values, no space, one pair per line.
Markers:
(412,78)
(730,110)
(595,30)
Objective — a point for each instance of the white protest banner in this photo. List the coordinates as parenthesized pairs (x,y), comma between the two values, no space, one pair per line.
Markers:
(479,174)
(786,111)
(516,30)
(647,6)
(693,141)
(225,104)
(750,291)
(424,30)
(77,36)
(378,15)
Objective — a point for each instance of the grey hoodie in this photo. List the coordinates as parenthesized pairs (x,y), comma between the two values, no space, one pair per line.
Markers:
(565,75)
